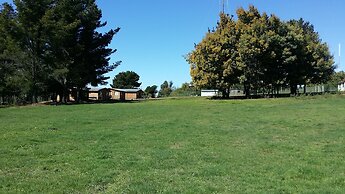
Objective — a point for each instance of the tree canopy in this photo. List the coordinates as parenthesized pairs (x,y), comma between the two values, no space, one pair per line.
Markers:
(259,52)
(151,91)
(166,89)
(126,80)
(187,89)
(55,47)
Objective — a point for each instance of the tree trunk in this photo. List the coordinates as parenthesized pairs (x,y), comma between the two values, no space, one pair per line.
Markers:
(63,96)
(77,97)
(34,96)
(34,82)
(225,93)
(246,90)
(80,95)
(293,89)
(277,91)
(66,95)
(305,89)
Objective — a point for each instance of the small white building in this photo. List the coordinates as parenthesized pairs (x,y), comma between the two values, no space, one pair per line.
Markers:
(237,93)
(341,86)
(209,93)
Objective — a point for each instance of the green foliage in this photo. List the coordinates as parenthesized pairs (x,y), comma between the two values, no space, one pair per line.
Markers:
(54,46)
(151,91)
(260,52)
(91,55)
(336,78)
(186,90)
(308,60)
(213,62)
(193,145)
(126,80)
(166,89)
(13,79)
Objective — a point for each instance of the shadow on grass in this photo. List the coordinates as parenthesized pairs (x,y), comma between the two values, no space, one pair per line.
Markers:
(252,97)
(94,102)
(50,103)
(272,96)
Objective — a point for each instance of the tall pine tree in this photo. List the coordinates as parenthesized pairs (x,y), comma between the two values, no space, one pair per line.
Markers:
(60,46)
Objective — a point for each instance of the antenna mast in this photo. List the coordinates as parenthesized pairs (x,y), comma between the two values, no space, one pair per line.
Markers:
(223,5)
(339,54)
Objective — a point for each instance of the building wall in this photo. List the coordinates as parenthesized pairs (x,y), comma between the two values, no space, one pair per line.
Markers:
(341,87)
(117,95)
(131,96)
(105,94)
(236,93)
(93,95)
(71,99)
(209,93)
(112,95)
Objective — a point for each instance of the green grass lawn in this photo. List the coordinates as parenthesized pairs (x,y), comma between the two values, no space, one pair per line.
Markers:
(193,145)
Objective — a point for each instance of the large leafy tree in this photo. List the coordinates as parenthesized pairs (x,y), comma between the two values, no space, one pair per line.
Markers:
(274,75)
(260,52)
(307,59)
(126,80)
(213,62)
(252,46)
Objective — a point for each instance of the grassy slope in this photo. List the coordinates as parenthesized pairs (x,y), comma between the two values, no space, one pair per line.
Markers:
(184,145)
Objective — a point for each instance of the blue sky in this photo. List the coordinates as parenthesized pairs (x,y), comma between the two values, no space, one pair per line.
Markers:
(156,34)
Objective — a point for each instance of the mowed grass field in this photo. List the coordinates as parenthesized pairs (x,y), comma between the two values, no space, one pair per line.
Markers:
(192,145)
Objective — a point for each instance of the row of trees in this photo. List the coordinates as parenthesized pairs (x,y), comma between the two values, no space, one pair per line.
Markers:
(130,80)
(168,90)
(260,52)
(187,89)
(51,47)
(165,90)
